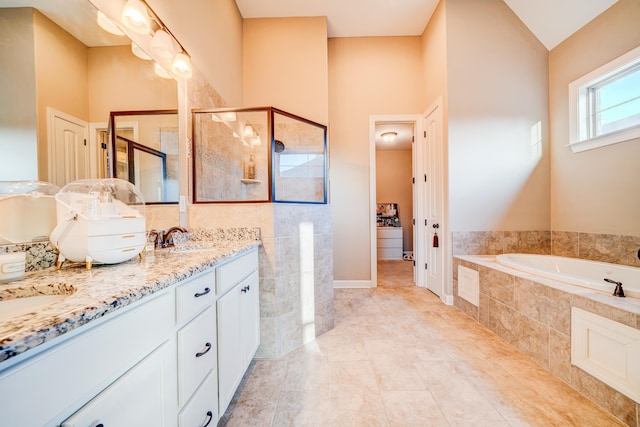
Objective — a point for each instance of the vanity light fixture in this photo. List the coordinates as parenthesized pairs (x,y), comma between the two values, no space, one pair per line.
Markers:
(135,17)
(162,45)
(388,137)
(108,25)
(141,24)
(161,72)
(182,65)
(137,51)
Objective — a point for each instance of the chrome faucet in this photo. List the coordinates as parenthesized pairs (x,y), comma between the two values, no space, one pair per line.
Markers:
(167,236)
(618,292)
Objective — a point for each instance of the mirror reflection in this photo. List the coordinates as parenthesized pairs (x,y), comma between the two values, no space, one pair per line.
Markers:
(61,77)
(145,147)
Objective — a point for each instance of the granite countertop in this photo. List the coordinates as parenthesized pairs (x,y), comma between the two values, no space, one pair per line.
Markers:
(102,290)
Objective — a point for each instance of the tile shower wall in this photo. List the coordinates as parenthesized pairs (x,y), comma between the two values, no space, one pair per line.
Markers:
(536,319)
(611,248)
(296,269)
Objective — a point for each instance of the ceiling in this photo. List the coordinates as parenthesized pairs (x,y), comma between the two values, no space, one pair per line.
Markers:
(552,21)
(401,142)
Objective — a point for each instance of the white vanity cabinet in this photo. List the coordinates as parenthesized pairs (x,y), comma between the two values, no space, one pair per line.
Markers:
(101,364)
(197,351)
(238,323)
(173,358)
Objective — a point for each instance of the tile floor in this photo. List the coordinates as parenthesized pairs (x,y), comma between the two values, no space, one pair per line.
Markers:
(399,357)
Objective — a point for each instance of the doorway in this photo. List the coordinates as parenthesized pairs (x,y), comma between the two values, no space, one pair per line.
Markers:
(392,196)
(431,245)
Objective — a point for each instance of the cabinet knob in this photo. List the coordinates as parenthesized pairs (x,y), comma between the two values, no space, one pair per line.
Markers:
(199,294)
(207,347)
(208,419)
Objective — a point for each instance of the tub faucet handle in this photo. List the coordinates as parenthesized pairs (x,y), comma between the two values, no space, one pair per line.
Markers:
(618,292)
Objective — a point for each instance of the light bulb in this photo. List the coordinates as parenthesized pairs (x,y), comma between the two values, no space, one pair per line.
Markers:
(135,17)
(248,131)
(182,66)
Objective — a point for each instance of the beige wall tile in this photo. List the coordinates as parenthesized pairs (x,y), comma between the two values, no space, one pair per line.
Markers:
(549,306)
(529,242)
(565,243)
(603,310)
(610,248)
(477,242)
(497,285)
(560,355)
(616,403)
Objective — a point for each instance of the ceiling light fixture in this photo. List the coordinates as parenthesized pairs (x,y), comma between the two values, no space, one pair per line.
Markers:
(135,17)
(388,137)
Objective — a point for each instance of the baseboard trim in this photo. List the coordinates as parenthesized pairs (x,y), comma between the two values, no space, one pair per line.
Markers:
(447,299)
(351,284)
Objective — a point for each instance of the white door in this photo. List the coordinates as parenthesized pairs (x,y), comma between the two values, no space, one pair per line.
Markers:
(68,149)
(432,224)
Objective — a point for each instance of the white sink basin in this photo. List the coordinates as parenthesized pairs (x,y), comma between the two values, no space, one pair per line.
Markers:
(15,307)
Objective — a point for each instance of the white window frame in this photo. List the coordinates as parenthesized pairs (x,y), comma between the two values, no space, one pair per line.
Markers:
(578,109)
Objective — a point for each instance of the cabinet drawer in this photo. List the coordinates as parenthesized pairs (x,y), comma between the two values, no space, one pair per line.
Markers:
(197,352)
(148,384)
(194,296)
(236,270)
(389,232)
(389,253)
(202,408)
(389,243)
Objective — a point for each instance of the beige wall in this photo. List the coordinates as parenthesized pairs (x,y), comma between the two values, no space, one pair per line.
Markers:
(120,81)
(596,191)
(497,90)
(61,79)
(285,65)
(394,185)
(367,76)
(18,137)
(434,54)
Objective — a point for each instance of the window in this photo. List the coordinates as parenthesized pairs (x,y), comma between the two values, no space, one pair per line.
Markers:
(605,104)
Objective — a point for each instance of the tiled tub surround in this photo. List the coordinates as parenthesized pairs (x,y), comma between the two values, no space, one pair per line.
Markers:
(616,249)
(534,315)
(99,291)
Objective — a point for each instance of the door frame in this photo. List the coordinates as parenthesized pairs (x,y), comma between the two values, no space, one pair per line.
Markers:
(416,119)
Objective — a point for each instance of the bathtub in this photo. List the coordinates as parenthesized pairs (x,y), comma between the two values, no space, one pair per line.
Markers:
(580,272)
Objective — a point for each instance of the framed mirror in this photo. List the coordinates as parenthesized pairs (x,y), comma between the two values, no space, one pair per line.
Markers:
(145,152)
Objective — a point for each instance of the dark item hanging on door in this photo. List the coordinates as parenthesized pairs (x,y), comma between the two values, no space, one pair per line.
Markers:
(435,235)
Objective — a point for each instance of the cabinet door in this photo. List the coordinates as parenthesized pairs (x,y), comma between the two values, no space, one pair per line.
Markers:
(250,318)
(230,361)
(138,398)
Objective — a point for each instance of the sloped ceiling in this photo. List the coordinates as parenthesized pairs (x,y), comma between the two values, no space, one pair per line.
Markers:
(552,21)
